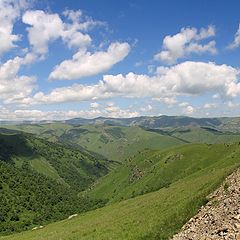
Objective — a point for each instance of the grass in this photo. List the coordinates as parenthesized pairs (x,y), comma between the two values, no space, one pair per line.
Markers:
(113,142)
(41,165)
(205,135)
(132,140)
(154,215)
(118,143)
(150,196)
(151,170)
(56,161)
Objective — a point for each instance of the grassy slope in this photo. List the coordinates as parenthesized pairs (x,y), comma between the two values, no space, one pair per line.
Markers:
(40,181)
(113,142)
(42,166)
(58,162)
(201,135)
(151,170)
(118,143)
(50,131)
(156,215)
(28,199)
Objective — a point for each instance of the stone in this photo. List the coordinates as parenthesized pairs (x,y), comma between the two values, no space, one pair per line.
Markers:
(220,217)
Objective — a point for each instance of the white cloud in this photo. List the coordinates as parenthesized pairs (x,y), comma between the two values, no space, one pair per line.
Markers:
(85,64)
(186,42)
(231,104)
(9,12)
(44,28)
(37,115)
(166,100)
(116,112)
(194,78)
(236,41)
(80,21)
(12,86)
(189,110)
(94,105)
(216,96)
(151,68)
(185,79)
(139,64)
(148,108)
(183,104)
(210,105)
(73,31)
(188,78)
(47,27)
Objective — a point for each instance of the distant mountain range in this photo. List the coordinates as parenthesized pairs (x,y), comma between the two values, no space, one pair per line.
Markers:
(157,122)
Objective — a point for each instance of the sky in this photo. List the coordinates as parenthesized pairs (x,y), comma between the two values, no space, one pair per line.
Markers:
(90,58)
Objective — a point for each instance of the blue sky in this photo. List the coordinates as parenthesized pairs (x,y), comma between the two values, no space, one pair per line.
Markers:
(66,59)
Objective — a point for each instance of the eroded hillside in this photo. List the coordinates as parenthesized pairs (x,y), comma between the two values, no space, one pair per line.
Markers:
(220,217)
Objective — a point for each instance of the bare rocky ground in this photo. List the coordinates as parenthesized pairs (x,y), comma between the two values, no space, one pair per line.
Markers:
(220,217)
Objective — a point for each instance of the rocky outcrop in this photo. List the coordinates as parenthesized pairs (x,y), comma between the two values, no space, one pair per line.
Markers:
(220,217)
(136,174)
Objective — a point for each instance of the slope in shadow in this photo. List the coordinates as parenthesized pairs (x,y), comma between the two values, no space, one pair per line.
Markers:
(14,145)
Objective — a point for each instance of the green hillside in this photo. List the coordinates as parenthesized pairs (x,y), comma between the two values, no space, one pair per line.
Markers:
(63,164)
(28,198)
(150,170)
(184,177)
(201,135)
(113,142)
(163,121)
(50,131)
(119,142)
(161,174)
(40,181)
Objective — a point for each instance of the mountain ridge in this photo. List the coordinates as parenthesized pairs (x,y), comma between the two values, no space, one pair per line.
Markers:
(155,122)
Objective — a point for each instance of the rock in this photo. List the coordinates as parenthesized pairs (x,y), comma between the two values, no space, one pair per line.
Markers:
(237,225)
(37,228)
(72,216)
(220,217)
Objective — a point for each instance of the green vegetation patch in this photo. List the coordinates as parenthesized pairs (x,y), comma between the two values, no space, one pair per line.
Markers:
(156,215)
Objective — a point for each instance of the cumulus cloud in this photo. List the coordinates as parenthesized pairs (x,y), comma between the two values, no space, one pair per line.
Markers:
(80,21)
(44,28)
(210,105)
(166,100)
(186,42)
(183,104)
(12,86)
(37,115)
(116,112)
(47,27)
(185,79)
(9,12)
(189,110)
(72,32)
(148,108)
(84,64)
(188,78)
(94,105)
(236,41)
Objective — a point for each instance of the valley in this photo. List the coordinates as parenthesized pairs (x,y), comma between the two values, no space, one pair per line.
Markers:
(119,120)
(150,175)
